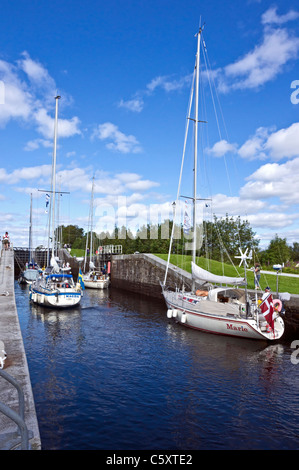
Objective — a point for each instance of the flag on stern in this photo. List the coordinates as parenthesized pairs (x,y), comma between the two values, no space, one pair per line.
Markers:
(267,310)
(80,279)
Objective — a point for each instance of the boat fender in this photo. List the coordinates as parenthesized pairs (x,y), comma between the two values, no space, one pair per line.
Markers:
(277,305)
(174,313)
(184,318)
(169,313)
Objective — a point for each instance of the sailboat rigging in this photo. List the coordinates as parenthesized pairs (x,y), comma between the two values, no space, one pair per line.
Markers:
(55,288)
(210,306)
(94,278)
(32,270)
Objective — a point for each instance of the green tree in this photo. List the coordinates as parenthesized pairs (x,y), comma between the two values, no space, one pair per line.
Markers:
(294,251)
(278,252)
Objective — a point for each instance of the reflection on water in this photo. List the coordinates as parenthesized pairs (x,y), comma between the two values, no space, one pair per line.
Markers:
(115,373)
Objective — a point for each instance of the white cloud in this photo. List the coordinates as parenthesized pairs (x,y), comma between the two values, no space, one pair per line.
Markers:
(66,127)
(18,101)
(168,84)
(269,220)
(262,64)
(221,148)
(274,180)
(38,75)
(119,141)
(25,173)
(141,185)
(35,144)
(254,147)
(267,143)
(135,104)
(271,16)
(284,143)
(30,101)
(266,60)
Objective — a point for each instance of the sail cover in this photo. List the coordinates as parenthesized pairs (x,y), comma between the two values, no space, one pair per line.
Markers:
(203,275)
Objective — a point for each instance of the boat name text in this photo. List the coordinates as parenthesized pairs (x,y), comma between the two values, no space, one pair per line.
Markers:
(229,326)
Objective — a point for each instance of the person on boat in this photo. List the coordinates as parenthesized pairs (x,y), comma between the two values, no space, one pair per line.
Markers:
(6,241)
(257,275)
(266,293)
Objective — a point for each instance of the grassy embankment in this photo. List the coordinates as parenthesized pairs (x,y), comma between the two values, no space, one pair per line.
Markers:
(285,284)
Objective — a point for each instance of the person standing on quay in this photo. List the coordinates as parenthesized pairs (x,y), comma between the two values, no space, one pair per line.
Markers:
(5,241)
(257,275)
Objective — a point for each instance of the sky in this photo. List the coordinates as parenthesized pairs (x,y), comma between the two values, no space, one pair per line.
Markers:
(124,71)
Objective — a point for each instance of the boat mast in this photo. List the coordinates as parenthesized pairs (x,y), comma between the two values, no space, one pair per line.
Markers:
(54,175)
(91,220)
(195,149)
(30,230)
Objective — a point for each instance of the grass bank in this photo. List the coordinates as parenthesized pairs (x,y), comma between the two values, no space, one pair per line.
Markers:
(285,284)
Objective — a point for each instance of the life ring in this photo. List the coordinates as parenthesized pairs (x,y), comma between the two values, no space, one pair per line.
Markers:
(277,304)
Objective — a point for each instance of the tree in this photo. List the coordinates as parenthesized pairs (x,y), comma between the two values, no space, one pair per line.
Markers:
(278,252)
(70,234)
(225,236)
(294,251)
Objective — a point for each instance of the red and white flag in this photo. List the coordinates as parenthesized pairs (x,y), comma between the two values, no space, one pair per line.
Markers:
(267,309)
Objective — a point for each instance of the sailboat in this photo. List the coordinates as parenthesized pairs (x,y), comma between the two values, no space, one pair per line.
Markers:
(218,304)
(94,278)
(32,270)
(55,288)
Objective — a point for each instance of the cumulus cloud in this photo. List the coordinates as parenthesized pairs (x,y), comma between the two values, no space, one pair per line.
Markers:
(18,101)
(271,16)
(25,173)
(284,143)
(45,125)
(135,104)
(269,143)
(37,74)
(118,141)
(222,147)
(30,100)
(266,60)
(168,83)
(274,180)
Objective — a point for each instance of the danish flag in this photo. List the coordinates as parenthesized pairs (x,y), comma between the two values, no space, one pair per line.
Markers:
(267,310)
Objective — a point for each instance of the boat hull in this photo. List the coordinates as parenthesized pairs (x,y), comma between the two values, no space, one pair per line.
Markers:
(28,276)
(59,299)
(100,284)
(229,324)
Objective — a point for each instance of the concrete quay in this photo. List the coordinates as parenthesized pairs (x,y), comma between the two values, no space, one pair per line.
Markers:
(15,364)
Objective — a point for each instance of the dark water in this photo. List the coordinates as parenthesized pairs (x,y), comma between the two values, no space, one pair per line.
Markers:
(115,373)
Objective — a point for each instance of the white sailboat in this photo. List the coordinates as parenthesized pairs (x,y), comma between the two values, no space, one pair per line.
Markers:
(56,288)
(94,278)
(214,308)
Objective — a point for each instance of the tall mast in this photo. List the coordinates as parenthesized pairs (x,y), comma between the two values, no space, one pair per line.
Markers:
(195,149)
(91,220)
(54,175)
(30,230)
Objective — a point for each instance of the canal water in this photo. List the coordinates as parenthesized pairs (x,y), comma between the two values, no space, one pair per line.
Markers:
(115,373)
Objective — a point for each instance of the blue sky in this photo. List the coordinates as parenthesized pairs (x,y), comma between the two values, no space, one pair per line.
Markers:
(123,70)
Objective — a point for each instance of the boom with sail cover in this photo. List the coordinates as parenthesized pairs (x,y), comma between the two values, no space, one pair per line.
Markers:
(201,274)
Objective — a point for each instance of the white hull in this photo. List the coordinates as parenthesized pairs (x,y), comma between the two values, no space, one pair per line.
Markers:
(61,298)
(55,290)
(98,284)
(227,321)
